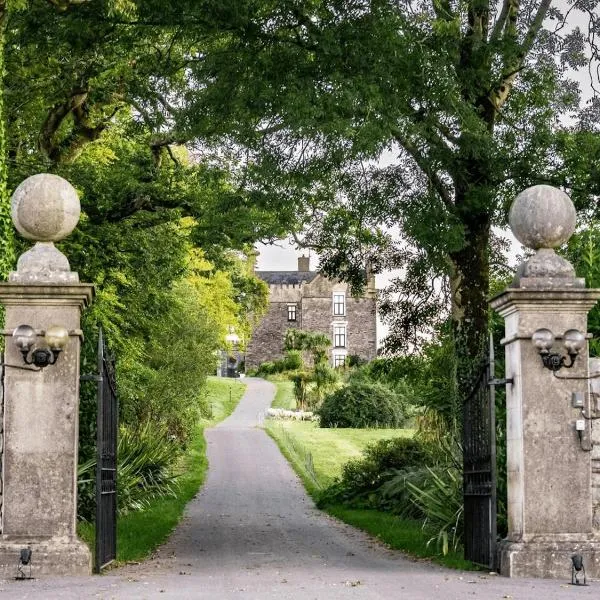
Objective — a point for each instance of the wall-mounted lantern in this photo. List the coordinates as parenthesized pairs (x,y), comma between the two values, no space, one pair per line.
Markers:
(573,341)
(56,338)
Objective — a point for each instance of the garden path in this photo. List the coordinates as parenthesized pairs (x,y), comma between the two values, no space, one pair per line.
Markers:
(252,532)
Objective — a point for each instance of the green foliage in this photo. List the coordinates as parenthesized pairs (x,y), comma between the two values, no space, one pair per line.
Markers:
(284,396)
(440,500)
(584,252)
(361,480)
(291,362)
(355,361)
(145,460)
(312,342)
(407,535)
(361,404)
(301,381)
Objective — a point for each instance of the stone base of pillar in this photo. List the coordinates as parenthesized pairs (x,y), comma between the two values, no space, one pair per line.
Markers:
(548,558)
(50,556)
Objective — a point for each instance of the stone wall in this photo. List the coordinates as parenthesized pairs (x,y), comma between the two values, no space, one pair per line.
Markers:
(594,369)
(267,340)
(362,327)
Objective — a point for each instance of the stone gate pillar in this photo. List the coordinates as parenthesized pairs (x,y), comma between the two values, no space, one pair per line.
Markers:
(41,405)
(548,461)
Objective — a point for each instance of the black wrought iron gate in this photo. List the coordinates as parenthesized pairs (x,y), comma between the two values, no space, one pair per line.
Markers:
(479,467)
(106,457)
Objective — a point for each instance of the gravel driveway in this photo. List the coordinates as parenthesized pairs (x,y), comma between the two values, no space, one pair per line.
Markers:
(253,533)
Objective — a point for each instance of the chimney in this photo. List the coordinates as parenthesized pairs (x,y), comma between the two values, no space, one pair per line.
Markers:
(303,264)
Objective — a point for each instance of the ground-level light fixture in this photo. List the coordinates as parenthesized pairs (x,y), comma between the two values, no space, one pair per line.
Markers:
(577,569)
(25,337)
(573,341)
(24,561)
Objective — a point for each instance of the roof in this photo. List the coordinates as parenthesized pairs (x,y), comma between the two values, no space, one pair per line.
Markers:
(287,277)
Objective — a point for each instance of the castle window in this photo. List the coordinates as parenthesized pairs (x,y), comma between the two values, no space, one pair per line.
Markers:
(339,360)
(291,312)
(339,303)
(339,336)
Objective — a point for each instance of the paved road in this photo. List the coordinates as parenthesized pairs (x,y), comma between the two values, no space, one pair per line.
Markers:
(252,533)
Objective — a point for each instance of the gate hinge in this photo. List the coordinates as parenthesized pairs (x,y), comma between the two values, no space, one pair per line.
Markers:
(501,381)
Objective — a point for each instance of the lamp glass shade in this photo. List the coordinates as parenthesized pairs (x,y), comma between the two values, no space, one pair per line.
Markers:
(542,339)
(574,341)
(24,337)
(56,337)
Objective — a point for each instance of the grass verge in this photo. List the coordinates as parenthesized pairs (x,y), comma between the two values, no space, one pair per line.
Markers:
(284,396)
(139,533)
(318,455)
(403,534)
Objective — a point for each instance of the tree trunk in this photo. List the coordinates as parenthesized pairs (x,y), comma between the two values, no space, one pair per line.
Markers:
(470,289)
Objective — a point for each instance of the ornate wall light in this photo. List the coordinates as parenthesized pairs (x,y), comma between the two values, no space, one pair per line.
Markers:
(573,341)
(56,338)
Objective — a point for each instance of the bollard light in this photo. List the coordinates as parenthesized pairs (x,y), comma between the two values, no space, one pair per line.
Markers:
(577,568)
(25,337)
(24,561)
(573,341)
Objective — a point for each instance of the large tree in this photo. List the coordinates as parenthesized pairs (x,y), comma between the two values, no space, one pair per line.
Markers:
(460,98)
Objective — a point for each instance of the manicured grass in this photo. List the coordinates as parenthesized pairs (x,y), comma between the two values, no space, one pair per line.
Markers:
(222,395)
(402,534)
(139,533)
(330,448)
(284,396)
(318,455)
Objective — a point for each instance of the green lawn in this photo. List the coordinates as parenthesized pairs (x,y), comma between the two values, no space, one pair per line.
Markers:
(284,396)
(318,455)
(139,533)
(330,448)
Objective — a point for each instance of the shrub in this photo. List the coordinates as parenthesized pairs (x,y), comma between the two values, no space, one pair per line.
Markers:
(440,499)
(293,360)
(355,361)
(145,461)
(362,478)
(362,404)
(266,368)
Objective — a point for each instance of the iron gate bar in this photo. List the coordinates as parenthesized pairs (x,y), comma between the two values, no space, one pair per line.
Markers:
(479,468)
(106,459)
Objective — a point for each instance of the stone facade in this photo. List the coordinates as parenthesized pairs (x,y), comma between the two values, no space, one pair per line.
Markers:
(548,440)
(41,403)
(309,297)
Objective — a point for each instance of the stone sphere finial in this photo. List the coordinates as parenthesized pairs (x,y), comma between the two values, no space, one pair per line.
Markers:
(45,208)
(542,216)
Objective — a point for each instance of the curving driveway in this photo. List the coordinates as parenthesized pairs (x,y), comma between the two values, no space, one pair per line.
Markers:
(253,533)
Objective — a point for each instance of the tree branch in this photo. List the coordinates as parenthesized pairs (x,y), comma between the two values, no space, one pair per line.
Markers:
(500,21)
(534,28)
(435,180)
(515,62)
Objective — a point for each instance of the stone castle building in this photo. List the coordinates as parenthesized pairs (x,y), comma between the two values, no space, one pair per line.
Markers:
(307,300)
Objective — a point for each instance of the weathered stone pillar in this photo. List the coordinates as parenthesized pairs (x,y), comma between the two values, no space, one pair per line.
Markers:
(41,406)
(594,365)
(548,465)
